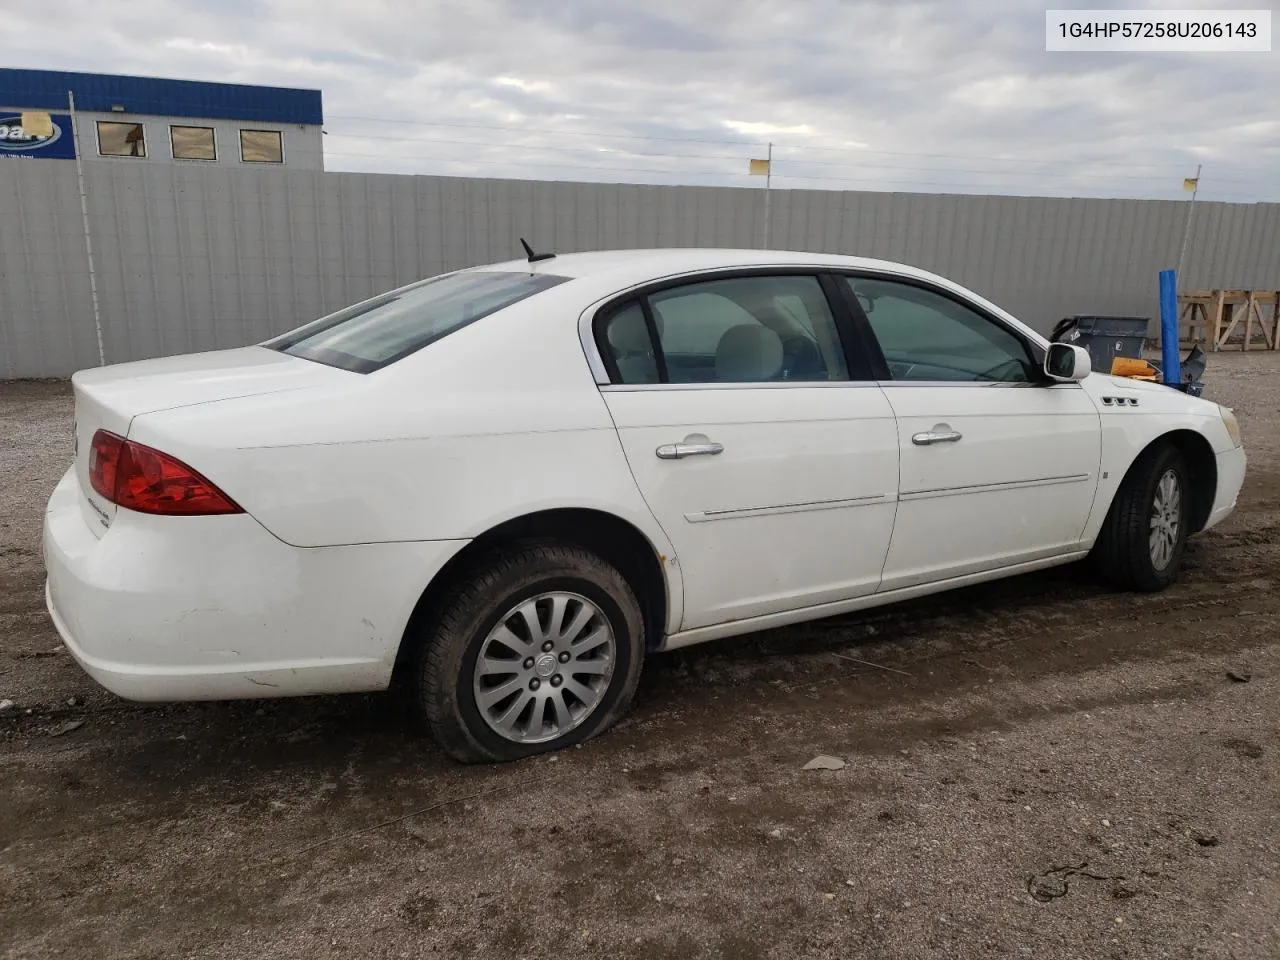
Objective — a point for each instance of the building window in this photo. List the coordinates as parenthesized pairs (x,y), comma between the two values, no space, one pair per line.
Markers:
(121,139)
(193,143)
(261,146)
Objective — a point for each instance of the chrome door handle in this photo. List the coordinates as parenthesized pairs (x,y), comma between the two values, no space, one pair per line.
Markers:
(678,451)
(924,439)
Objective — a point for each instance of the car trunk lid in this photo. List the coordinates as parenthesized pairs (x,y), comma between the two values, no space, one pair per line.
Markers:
(109,398)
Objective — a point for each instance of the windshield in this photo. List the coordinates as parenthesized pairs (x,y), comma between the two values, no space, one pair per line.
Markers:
(370,335)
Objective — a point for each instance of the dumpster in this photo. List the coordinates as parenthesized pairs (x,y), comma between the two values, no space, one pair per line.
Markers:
(1106,338)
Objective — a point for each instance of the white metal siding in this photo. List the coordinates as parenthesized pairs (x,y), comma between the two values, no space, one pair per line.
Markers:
(198,257)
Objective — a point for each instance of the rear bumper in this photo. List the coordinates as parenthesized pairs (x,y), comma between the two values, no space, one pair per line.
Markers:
(1231,466)
(211,608)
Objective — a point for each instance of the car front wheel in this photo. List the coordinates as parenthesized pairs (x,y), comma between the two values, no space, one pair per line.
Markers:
(537,650)
(1143,537)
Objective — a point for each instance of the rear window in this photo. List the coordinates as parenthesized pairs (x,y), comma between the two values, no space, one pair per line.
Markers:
(370,335)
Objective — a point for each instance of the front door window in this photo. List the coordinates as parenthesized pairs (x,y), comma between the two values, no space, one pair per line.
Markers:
(925,335)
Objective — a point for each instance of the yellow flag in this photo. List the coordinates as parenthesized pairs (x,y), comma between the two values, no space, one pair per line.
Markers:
(1190,183)
(37,123)
(758,168)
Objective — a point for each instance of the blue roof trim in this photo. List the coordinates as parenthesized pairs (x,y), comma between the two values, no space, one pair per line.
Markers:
(47,90)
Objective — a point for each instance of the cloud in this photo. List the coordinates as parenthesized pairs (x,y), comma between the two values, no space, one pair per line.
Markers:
(936,95)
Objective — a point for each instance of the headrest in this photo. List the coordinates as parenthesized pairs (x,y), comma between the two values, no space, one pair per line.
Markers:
(748,353)
(628,333)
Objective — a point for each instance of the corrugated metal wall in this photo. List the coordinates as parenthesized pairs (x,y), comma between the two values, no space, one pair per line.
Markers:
(193,258)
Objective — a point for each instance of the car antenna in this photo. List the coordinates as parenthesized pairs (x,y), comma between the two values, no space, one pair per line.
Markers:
(535,257)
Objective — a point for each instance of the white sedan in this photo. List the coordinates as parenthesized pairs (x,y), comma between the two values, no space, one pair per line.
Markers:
(505,486)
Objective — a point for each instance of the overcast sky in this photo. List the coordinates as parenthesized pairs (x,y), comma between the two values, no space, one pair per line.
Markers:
(942,96)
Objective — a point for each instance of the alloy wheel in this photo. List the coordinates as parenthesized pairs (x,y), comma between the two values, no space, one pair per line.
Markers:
(545,667)
(1166,518)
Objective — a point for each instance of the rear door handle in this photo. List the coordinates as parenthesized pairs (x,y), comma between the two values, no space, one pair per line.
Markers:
(935,436)
(678,451)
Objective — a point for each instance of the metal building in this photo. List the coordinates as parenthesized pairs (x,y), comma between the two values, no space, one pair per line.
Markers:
(145,120)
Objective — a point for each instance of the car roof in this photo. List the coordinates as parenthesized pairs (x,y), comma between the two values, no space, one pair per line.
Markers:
(626,267)
(607,272)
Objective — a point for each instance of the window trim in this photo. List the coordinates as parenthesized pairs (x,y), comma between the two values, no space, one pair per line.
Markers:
(744,385)
(193,126)
(97,136)
(240,138)
(650,324)
(866,333)
(859,366)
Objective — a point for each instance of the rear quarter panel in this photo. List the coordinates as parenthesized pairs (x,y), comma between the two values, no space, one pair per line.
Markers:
(499,419)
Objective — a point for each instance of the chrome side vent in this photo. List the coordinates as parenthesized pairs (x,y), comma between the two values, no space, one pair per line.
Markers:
(1120,401)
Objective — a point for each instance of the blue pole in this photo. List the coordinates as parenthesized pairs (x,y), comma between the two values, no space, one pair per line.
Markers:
(1172,364)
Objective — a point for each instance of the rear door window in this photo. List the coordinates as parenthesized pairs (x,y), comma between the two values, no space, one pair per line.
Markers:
(377,332)
(630,345)
(732,330)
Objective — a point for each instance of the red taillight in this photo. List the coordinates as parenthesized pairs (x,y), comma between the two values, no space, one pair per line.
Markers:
(104,458)
(146,480)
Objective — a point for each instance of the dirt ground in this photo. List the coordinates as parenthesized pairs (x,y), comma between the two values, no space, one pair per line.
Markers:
(1048,770)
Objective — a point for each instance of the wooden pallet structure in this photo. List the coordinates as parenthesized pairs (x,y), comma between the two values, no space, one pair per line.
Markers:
(1212,316)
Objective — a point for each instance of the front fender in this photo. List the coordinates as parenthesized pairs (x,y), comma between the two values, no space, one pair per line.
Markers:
(1129,429)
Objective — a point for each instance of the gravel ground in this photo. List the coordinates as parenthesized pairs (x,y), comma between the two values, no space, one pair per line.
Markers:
(1049,770)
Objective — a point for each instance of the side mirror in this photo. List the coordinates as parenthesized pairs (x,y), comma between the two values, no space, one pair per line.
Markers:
(1066,362)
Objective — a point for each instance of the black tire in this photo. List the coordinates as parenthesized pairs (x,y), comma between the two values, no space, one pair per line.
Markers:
(442,685)
(1123,552)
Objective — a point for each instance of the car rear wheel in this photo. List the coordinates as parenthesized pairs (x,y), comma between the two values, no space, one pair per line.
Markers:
(539,649)
(1143,537)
